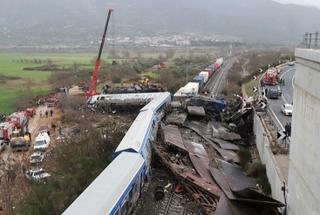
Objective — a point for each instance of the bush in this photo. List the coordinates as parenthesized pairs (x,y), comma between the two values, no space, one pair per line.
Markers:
(116,79)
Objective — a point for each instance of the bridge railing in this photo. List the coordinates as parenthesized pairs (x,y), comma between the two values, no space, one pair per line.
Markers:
(311,40)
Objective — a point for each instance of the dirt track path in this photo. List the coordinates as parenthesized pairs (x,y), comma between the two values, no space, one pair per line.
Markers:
(18,162)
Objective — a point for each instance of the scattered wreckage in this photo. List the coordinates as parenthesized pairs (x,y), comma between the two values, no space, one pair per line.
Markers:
(203,156)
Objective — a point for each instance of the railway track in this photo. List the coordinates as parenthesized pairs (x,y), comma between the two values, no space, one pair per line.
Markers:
(172,205)
(216,83)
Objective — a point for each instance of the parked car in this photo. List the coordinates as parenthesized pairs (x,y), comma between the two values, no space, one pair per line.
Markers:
(272,94)
(36,157)
(43,128)
(42,142)
(37,174)
(3,145)
(291,63)
(286,109)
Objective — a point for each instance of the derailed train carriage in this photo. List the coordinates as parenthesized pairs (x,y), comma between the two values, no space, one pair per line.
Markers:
(118,187)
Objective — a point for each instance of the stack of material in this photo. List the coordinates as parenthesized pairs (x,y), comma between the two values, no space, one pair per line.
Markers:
(219,187)
(196,111)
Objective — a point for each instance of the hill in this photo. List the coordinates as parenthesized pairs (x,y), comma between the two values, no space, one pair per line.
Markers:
(80,21)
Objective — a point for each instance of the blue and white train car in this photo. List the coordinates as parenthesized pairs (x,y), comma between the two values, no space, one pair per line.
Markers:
(157,104)
(138,137)
(115,190)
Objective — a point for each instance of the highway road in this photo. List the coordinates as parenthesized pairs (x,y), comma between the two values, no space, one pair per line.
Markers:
(287,73)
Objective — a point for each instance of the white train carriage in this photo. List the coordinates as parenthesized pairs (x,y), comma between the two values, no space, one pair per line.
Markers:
(158,104)
(127,97)
(115,190)
(138,137)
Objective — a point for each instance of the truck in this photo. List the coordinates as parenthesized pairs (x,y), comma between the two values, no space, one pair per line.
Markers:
(20,142)
(30,112)
(270,77)
(6,130)
(19,119)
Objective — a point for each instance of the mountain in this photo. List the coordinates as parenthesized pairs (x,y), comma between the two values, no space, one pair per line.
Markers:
(76,21)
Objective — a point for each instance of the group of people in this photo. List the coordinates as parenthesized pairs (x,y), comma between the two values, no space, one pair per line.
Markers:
(46,113)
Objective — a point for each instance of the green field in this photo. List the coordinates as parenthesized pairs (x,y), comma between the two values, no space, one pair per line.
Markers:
(23,83)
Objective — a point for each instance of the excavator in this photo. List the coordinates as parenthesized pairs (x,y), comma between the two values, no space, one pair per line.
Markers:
(95,72)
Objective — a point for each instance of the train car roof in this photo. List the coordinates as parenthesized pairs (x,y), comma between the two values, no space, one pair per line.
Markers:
(157,101)
(102,195)
(135,136)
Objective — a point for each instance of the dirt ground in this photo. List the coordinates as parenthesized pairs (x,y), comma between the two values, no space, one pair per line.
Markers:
(13,184)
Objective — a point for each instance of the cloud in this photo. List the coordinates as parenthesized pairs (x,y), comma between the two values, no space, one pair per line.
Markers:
(315,3)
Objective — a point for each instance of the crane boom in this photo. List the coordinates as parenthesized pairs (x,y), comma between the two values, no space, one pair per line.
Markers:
(95,72)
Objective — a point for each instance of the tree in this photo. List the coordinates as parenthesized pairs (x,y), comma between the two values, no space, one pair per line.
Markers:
(170,53)
(113,54)
(126,54)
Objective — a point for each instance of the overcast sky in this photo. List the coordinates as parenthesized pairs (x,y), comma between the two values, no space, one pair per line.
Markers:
(303,2)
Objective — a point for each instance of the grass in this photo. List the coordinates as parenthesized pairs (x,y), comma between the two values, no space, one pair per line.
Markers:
(151,74)
(31,82)
(248,86)
(11,64)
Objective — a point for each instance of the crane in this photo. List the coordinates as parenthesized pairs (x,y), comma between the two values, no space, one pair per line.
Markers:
(95,72)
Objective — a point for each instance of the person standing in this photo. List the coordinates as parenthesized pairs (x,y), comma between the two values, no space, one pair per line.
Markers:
(51,112)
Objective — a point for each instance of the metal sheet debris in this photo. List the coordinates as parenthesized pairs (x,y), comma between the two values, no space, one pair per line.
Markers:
(196,111)
(224,134)
(225,154)
(229,207)
(201,164)
(247,195)
(172,136)
(195,148)
(235,177)
(225,144)
(176,118)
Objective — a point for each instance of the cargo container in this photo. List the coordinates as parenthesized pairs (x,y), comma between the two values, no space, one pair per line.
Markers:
(211,71)
(191,89)
(206,75)
(199,79)
(218,63)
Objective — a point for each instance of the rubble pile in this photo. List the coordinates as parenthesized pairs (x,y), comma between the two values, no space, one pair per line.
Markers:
(203,156)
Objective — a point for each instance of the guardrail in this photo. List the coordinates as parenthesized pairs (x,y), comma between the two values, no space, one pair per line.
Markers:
(274,120)
(311,40)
